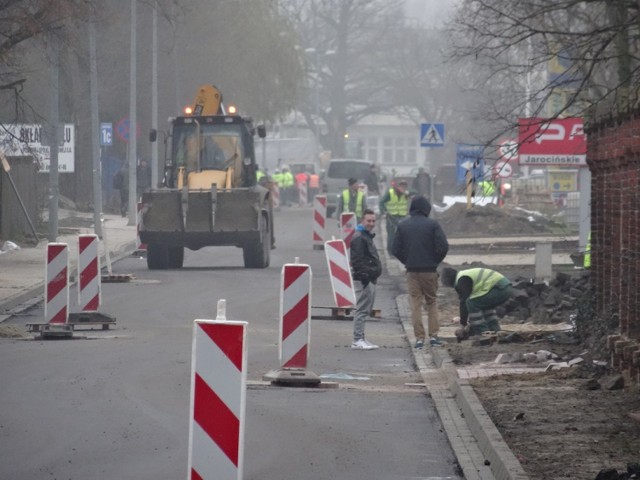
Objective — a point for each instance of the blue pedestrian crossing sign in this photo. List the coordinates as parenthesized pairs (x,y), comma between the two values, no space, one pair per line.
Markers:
(432,134)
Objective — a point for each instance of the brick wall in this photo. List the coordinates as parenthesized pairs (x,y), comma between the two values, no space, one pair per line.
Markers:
(613,156)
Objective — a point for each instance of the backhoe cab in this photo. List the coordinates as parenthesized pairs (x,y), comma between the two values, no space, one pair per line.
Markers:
(209,195)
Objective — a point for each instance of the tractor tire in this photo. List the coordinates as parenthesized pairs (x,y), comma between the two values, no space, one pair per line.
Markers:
(176,257)
(258,254)
(157,256)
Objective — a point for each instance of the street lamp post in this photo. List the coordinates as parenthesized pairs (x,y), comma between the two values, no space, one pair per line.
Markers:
(317,93)
(316,66)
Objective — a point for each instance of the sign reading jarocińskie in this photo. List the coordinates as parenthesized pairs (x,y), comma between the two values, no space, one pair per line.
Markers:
(560,141)
(26,140)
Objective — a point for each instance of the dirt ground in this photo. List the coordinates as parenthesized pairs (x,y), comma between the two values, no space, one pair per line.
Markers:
(491,220)
(562,424)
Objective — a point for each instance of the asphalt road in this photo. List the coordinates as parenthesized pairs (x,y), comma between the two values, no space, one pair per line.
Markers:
(115,404)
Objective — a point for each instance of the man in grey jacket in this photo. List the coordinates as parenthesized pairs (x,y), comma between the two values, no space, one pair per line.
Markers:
(366,268)
(421,245)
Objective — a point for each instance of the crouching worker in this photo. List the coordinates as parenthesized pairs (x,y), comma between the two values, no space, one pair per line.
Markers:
(480,291)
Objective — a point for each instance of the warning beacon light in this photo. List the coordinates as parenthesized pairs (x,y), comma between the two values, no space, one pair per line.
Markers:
(188,110)
(232,110)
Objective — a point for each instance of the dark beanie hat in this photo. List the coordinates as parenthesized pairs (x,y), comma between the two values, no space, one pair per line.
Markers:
(352,181)
(421,205)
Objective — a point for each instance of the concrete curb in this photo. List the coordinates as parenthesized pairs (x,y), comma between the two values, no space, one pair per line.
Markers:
(504,464)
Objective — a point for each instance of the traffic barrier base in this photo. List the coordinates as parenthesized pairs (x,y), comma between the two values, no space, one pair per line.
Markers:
(292,377)
(339,313)
(52,331)
(85,319)
(120,278)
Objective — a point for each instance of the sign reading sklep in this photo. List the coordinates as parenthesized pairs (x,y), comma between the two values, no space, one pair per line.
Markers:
(560,141)
(27,140)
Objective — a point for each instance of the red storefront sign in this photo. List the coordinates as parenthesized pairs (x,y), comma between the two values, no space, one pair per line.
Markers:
(560,141)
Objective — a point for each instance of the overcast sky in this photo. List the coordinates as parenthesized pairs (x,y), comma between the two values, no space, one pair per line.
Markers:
(431,11)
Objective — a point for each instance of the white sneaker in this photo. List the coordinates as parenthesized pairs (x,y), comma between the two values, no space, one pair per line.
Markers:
(362,345)
(372,345)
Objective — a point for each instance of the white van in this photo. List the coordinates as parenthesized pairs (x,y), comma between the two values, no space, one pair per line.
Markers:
(335,178)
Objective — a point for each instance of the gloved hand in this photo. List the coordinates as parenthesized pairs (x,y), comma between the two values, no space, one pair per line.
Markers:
(364,279)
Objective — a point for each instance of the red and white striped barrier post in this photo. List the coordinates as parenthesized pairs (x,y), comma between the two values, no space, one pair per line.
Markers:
(348,223)
(56,294)
(140,247)
(295,315)
(319,221)
(340,273)
(218,396)
(89,291)
(302,194)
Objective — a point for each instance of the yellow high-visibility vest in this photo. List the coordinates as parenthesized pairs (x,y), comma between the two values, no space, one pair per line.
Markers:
(397,205)
(586,263)
(483,279)
(346,194)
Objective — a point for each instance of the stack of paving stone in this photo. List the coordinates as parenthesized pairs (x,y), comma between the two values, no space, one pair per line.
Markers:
(545,303)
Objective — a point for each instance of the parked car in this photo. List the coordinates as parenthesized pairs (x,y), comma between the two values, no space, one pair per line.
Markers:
(302,168)
(339,171)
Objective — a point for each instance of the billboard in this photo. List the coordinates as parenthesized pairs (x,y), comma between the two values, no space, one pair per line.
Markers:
(27,140)
(560,141)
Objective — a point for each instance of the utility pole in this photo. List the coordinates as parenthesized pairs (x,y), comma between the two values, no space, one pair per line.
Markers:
(52,140)
(154,95)
(133,121)
(95,132)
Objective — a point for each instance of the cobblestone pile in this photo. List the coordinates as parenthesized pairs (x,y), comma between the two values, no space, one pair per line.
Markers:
(544,303)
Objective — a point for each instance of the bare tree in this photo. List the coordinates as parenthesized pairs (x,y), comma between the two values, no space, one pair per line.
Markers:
(245,48)
(549,58)
(25,25)
(347,44)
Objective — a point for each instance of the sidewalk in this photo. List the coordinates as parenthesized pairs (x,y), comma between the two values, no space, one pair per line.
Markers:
(22,272)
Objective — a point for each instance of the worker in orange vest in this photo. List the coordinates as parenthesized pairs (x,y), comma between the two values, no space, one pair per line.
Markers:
(314,185)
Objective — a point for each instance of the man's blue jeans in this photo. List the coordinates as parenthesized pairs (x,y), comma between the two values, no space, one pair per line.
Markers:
(365,296)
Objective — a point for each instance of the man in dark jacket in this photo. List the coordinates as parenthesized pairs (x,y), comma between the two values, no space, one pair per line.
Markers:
(366,268)
(421,245)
